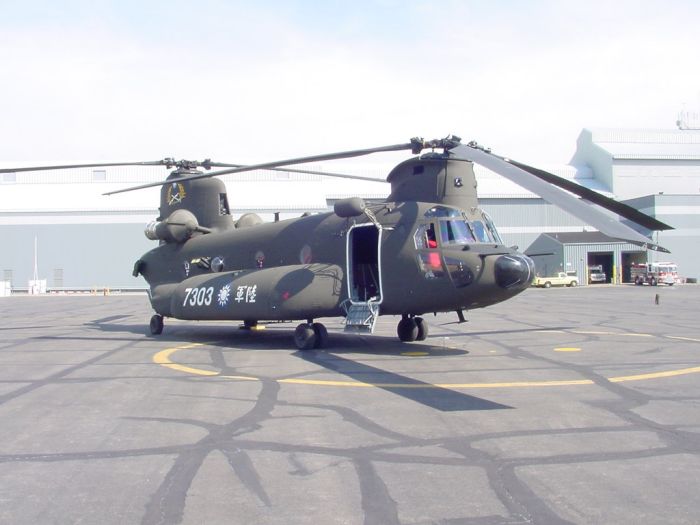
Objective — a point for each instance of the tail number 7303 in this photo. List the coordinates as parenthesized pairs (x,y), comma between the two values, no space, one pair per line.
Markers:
(198,296)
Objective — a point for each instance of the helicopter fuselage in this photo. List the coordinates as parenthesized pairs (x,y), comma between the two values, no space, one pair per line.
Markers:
(408,258)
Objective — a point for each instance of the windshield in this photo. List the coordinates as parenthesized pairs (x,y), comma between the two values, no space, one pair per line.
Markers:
(455,232)
(482,234)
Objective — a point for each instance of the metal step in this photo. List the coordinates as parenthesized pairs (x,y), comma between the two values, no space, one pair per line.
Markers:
(361,317)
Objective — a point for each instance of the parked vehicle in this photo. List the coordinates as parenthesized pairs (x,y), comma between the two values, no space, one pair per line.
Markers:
(561,279)
(654,273)
(596,274)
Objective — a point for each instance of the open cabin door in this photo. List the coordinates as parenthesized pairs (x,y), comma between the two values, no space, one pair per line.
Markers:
(363,252)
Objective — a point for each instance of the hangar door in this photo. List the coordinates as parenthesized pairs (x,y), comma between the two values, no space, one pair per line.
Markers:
(604,259)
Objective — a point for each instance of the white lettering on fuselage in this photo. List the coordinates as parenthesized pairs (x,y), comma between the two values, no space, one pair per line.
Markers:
(198,296)
(246,294)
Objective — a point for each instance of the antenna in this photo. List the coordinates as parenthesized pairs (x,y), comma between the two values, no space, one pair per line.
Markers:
(688,120)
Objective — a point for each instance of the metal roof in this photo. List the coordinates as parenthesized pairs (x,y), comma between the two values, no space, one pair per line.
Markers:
(648,144)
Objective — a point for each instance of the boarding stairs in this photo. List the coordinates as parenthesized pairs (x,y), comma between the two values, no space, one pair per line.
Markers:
(361,317)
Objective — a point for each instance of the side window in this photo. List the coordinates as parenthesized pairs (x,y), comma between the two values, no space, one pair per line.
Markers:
(430,265)
(425,237)
(420,238)
(432,238)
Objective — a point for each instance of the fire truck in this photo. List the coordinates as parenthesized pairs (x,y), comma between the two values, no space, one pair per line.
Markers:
(654,273)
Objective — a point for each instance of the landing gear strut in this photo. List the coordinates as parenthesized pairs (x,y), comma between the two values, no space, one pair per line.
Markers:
(156,324)
(412,329)
(310,335)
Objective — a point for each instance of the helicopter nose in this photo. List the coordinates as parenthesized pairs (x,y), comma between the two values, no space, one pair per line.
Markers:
(513,270)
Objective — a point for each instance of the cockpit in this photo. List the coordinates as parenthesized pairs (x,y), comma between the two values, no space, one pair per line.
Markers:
(454,229)
(444,227)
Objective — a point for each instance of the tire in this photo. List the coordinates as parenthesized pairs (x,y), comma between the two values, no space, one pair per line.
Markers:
(423,329)
(573,284)
(407,330)
(547,284)
(321,335)
(304,337)
(653,282)
(156,324)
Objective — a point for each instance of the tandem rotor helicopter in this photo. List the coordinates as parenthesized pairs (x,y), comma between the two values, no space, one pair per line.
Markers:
(427,248)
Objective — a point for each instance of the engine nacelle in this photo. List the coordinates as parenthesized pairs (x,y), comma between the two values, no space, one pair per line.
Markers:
(178,227)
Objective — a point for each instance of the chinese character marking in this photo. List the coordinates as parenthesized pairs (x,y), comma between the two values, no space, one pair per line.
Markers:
(250,294)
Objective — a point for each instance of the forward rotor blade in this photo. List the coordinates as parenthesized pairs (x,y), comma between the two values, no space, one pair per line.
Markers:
(576,207)
(413,145)
(623,210)
(305,172)
(71,166)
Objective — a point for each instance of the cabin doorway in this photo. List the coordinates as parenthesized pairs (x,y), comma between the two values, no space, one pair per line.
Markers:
(364,269)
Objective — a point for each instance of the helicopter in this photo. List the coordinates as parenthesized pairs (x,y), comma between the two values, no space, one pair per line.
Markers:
(427,247)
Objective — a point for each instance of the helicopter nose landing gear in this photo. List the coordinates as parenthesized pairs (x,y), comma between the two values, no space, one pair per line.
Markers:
(156,324)
(412,329)
(310,335)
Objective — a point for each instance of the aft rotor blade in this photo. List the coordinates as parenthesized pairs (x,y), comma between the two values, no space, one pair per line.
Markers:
(72,166)
(623,210)
(576,207)
(413,145)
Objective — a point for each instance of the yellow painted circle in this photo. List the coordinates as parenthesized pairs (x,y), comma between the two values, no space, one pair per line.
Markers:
(163,358)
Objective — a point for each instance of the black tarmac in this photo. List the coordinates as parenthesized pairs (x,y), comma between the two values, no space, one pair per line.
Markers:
(573,405)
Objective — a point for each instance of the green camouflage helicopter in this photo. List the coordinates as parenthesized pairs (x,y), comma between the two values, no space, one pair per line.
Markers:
(427,248)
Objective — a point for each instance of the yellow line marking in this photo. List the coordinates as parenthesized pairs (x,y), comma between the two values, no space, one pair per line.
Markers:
(683,338)
(655,375)
(567,349)
(242,378)
(414,354)
(163,358)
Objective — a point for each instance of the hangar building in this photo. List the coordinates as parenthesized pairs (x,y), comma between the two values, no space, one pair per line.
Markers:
(86,240)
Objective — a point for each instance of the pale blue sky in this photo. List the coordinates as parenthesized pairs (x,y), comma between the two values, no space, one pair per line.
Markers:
(244,82)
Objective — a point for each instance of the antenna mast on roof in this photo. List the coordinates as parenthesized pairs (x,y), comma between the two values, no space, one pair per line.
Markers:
(688,120)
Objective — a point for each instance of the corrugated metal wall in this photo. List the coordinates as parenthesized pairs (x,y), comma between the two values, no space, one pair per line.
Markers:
(521,221)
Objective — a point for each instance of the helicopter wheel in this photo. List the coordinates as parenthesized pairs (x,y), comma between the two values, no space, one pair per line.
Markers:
(321,335)
(407,329)
(156,324)
(423,330)
(305,337)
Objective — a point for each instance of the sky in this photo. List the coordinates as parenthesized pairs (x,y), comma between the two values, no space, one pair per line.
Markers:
(246,82)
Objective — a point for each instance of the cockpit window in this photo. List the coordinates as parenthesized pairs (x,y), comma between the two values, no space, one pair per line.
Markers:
(492,228)
(455,232)
(425,237)
(442,211)
(482,234)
